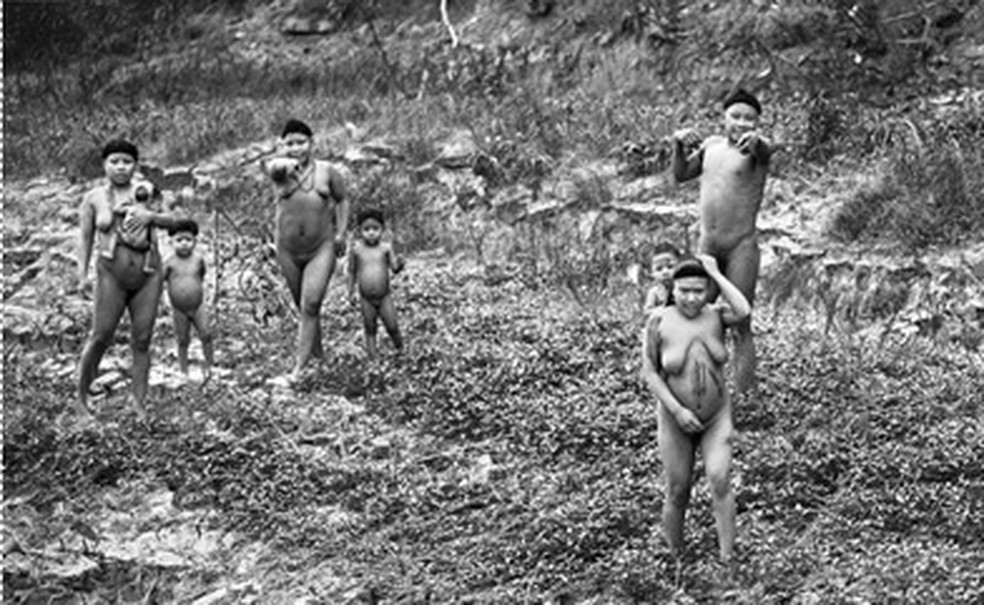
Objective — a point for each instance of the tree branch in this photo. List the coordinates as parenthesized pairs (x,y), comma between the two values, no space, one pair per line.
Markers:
(447,23)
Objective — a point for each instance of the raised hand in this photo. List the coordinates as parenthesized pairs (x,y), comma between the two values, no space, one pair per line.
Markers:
(688,137)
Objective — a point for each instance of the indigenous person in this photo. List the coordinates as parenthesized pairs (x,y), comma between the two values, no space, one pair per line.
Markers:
(117,220)
(732,169)
(683,357)
(664,260)
(311,221)
(370,263)
(184,272)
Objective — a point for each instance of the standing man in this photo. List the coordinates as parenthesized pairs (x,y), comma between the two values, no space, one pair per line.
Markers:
(732,169)
(311,221)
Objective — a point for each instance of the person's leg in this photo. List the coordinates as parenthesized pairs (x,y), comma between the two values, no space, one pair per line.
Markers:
(203,326)
(387,312)
(314,283)
(110,300)
(676,450)
(143,313)
(716,447)
(293,274)
(182,332)
(369,321)
(741,269)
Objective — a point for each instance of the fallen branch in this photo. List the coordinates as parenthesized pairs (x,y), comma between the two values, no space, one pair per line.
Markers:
(447,23)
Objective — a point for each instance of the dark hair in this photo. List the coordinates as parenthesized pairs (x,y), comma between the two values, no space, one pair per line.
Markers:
(665,248)
(689,267)
(370,213)
(182,226)
(297,126)
(120,146)
(743,96)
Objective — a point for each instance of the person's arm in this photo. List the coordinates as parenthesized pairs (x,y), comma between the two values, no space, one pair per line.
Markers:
(737,307)
(653,379)
(353,268)
(343,208)
(201,268)
(395,260)
(758,146)
(87,225)
(686,165)
(143,215)
(652,299)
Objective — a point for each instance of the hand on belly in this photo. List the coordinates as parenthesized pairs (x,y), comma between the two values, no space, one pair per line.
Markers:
(700,384)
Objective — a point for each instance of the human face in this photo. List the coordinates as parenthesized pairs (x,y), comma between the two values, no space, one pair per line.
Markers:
(690,294)
(739,119)
(119,168)
(372,231)
(297,146)
(662,267)
(184,243)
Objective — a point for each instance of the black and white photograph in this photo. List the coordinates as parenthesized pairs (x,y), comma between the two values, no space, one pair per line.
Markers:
(546,302)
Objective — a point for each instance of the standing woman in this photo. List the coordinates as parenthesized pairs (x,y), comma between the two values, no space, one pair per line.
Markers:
(311,222)
(116,221)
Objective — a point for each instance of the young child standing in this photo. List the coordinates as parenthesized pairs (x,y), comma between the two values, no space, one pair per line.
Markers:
(683,357)
(370,263)
(732,170)
(184,272)
(665,258)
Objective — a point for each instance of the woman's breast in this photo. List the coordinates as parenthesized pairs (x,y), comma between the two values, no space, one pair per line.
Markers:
(698,382)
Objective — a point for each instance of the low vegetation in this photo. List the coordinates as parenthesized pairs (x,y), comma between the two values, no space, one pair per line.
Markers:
(510,456)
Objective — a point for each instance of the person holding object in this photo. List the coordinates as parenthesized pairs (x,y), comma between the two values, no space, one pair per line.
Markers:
(732,168)
(311,220)
(117,220)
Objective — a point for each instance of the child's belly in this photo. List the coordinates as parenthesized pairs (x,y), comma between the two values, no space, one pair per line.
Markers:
(185,293)
(700,384)
(374,283)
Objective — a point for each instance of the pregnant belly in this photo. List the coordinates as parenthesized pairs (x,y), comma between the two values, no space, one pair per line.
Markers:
(185,294)
(700,384)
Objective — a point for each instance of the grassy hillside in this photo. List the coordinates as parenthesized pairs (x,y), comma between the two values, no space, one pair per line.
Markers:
(509,455)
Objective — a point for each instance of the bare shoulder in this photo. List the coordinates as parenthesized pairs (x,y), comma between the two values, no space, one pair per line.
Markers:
(93,196)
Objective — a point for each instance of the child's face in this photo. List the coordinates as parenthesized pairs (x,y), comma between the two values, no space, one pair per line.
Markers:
(297,146)
(119,167)
(183,242)
(690,294)
(662,267)
(739,118)
(372,231)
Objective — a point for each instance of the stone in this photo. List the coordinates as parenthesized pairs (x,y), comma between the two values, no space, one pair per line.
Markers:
(457,151)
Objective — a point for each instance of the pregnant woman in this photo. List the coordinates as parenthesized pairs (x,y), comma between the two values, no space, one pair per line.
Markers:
(683,361)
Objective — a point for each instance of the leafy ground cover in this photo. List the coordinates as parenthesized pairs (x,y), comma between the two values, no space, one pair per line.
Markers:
(509,456)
